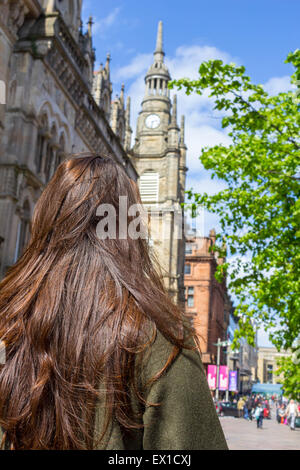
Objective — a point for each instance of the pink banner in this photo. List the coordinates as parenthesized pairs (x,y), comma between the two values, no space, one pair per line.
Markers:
(212,376)
(223,378)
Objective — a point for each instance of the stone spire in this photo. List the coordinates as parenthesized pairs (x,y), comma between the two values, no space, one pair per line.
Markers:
(90,26)
(159,53)
(107,65)
(173,129)
(102,88)
(122,95)
(158,76)
(182,132)
(128,130)
(174,113)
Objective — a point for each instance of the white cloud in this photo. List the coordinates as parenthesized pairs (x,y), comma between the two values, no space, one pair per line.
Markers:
(187,60)
(101,25)
(137,66)
(203,183)
(198,137)
(278,85)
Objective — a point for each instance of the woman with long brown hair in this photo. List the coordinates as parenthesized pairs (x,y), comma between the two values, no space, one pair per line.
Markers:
(97,354)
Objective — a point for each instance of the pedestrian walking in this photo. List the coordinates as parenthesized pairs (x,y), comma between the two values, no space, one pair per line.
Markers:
(246,414)
(281,414)
(98,356)
(249,408)
(291,414)
(259,416)
(240,406)
(266,410)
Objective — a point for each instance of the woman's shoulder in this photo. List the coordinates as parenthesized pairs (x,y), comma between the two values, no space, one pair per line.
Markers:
(186,417)
(162,352)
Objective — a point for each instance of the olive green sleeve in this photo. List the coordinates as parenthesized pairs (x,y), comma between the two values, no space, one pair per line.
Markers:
(186,418)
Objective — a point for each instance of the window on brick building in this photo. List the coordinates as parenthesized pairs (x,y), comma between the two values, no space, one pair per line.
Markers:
(190,297)
(187,269)
(188,248)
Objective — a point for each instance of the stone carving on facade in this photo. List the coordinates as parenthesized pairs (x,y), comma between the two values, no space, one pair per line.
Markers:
(15,15)
(67,77)
(102,88)
(8,182)
(118,117)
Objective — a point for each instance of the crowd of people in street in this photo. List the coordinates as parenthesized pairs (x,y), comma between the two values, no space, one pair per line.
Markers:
(255,407)
(259,407)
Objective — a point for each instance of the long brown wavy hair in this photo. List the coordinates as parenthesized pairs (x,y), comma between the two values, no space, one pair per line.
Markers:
(75,312)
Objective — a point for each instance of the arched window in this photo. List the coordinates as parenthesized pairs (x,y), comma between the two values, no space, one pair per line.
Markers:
(149,187)
(49,158)
(39,152)
(51,154)
(41,144)
(23,230)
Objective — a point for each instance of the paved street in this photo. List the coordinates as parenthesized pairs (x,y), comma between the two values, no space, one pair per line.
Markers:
(243,435)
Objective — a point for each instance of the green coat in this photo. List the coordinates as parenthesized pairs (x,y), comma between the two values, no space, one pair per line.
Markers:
(186,418)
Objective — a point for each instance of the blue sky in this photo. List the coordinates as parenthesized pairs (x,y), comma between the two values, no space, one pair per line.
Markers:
(256,33)
(259,33)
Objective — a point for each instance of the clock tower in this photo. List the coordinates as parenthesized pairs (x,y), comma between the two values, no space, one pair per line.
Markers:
(159,155)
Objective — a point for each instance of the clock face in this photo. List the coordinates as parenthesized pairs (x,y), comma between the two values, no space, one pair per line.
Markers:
(152,121)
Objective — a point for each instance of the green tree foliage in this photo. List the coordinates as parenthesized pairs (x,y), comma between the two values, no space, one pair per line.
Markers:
(259,211)
(290,371)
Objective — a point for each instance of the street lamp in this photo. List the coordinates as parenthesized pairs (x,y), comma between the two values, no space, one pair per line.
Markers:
(219,345)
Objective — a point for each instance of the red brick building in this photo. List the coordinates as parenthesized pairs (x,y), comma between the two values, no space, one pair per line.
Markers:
(207,301)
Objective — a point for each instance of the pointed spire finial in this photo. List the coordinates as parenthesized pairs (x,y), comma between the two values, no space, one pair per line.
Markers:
(159,39)
(174,114)
(128,130)
(90,24)
(182,126)
(107,64)
(159,53)
(128,103)
(127,113)
(122,94)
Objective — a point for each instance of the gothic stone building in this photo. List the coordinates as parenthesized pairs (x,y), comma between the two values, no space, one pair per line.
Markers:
(55,104)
